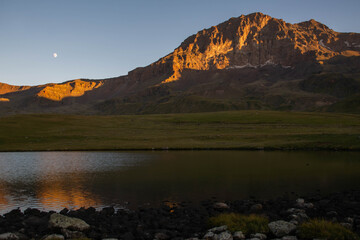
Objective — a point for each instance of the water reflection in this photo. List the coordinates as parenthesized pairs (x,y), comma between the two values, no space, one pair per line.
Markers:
(3,194)
(54,180)
(60,195)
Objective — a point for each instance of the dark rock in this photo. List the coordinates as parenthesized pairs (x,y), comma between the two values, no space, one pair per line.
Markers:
(53,237)
(128,236)
(108,211)
(221,205)
(256,207)
(64,211)
(32,212)
(161,236)
(72,234)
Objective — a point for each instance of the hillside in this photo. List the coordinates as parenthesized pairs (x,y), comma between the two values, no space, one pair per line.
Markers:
(249,62)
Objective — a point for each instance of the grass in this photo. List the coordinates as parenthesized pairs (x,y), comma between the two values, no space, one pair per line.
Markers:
(317,228)
(218,130)
(248,224)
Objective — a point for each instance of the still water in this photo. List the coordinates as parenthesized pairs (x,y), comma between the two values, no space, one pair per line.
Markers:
(54,180)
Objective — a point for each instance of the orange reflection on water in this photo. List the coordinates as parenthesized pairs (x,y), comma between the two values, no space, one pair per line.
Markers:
(58,195)
(3,200)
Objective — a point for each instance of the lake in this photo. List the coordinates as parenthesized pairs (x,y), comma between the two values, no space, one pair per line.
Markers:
(54,180)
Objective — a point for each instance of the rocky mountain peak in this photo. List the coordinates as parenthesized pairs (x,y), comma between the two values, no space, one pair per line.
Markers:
(254,40)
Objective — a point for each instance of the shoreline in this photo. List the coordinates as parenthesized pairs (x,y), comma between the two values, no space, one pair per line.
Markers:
(183,220)
(266,149)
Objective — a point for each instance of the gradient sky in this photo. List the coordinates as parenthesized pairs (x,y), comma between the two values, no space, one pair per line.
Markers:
(108,38)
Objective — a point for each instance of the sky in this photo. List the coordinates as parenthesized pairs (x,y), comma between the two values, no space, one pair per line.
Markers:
(109,38)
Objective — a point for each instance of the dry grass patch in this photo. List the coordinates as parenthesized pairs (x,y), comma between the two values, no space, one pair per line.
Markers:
(318,228)
(246,223)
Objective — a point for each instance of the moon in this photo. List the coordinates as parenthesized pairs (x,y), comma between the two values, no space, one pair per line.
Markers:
(55,55)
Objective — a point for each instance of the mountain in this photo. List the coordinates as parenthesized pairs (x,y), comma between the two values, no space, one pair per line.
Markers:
(250,62)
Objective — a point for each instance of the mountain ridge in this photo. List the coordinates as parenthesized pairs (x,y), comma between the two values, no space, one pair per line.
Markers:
(248,58)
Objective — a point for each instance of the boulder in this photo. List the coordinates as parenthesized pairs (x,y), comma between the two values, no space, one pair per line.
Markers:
(72,234)
(209,236)
(64,222)
(12,236)
(224,236)
(53,237)
(218,229)
(260,236)
(161,236)
(221,205)
(238,235)
(256,207)
(289,238)
(281,228)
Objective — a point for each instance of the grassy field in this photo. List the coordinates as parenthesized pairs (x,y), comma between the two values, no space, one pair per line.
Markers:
(219,130)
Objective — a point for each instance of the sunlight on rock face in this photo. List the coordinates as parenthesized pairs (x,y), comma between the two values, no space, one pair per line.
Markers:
(76,88)
(253,40)
(4,100)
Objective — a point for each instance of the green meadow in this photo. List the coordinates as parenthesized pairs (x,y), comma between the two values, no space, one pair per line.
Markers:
(217,130)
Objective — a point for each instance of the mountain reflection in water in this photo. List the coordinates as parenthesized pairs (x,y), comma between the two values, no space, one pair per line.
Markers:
(55,180)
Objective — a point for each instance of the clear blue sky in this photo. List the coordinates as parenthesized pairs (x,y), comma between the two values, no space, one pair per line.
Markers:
(108,38)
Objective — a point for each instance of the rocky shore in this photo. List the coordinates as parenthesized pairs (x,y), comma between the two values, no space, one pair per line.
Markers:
(185,220)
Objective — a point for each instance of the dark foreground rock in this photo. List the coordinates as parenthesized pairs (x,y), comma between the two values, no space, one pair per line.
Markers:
(181,220)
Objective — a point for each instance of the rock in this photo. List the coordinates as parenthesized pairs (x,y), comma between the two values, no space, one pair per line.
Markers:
(281,228)
(256,207)
(108,211)
(209,235)
(298,218)
(224,236)
(260,236)
(221,205)
(127,236)
(300,202)
(332,214)
(110,239)
(308,205)
(35,221)
(12,236)
(289,238)
(53,237)
(293,221)
(32,212)
(161,236)
(295,210)
(349,220)
(64,222)
(238,235)
(64,211)
(72,234)
(218,229)
(346,225)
